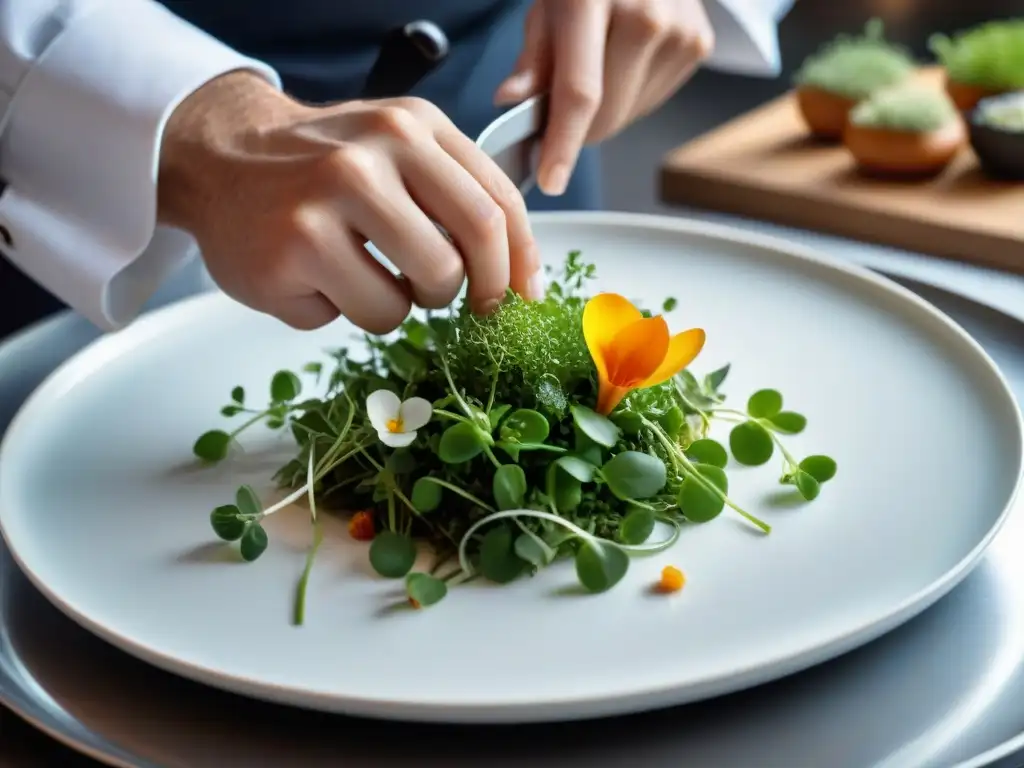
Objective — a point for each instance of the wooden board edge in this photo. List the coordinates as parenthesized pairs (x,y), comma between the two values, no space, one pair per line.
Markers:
(680,186)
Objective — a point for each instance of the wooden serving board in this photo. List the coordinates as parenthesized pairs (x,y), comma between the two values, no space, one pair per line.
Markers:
(765,166)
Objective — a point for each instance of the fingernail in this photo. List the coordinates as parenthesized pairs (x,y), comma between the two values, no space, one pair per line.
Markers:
(555,180)
(514,89)
(535,287)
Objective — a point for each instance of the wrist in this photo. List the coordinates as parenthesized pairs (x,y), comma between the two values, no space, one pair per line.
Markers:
(205,130)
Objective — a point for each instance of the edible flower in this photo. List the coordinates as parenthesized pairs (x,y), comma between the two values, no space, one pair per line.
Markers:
(396,421)
(672,579)
(360,526)
(632,351)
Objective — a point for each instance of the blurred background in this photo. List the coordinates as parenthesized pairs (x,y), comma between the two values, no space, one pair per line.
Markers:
(709,100)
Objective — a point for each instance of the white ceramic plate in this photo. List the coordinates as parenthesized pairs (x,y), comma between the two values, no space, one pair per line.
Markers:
(102,508)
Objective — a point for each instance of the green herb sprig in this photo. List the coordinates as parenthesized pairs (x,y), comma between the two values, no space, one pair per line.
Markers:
(515,470)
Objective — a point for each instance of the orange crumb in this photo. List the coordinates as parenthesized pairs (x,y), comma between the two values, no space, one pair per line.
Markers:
(672,579)
(360,527)
(414,602)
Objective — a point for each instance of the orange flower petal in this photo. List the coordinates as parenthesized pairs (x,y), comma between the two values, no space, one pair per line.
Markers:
(603,317)
(682,349)
(609,396)
(637,351)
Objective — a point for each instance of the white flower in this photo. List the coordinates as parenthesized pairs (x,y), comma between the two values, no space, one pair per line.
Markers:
(396,422)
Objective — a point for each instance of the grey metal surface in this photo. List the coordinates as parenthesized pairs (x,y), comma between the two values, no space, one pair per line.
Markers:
(941,691)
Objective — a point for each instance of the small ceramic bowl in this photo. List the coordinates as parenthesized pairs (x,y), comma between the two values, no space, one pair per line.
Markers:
(996,127)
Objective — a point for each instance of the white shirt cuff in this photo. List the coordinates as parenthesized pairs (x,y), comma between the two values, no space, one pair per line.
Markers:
(80,154)
(746,36)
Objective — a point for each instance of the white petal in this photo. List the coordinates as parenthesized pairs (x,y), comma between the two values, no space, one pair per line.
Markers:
(382,406)
(416,412)
(396,439)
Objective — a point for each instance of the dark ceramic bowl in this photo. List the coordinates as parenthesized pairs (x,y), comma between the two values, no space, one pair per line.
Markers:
(1000,150)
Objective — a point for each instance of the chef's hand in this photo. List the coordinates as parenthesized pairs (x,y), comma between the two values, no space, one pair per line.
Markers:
(281,196)
(605,63)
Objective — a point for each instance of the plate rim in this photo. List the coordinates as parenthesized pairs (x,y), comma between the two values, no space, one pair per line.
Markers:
(566,707)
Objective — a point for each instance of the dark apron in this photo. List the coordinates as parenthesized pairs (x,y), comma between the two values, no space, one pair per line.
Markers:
(323,50)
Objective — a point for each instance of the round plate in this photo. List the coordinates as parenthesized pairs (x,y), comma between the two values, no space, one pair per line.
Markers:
(104,510)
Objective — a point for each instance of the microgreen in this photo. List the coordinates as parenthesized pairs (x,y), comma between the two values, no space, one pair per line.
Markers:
(479,440)
(855,66)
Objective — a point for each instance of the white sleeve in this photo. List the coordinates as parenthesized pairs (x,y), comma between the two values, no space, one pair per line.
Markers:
(746,35)
(86,87)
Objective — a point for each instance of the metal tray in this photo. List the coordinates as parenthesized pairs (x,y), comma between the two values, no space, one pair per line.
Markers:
(947,689)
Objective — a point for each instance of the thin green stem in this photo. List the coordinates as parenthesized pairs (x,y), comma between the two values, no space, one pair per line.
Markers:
(452,416)
(247,424)
(700,479)
(464,494)
(571,527)
(303,586)
(490,455)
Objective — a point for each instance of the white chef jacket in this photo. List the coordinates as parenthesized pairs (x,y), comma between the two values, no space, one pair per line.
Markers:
(86,87)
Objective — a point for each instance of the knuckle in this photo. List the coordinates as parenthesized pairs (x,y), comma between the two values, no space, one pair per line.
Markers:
(352,166)
(490,223)
(646,21)
(699,44)
(397,122)
(418,107)
(582,95)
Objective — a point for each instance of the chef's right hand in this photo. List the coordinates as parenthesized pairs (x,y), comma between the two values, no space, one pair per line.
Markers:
(281,196)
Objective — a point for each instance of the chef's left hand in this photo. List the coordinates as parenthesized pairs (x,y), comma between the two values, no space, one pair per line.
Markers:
(605,63)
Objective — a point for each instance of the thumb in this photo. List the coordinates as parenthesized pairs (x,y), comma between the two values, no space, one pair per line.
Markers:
(525,80)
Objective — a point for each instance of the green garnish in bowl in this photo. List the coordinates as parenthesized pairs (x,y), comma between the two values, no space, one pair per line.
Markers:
(854,67)
(910,108)
(989,56)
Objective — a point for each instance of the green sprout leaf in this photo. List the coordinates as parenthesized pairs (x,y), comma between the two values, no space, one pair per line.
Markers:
(404,361)
(698,503)
(497,413)
(821,468)
(600,566)
(715,379)
(212,446)
(764,403)
(577,467)
(595,426)
(525,426)
(225,523)
(805,483)
(751,444)
(534,550)
(788,421)
(425,590)
(238,395)
(498,560)
(669,304)
(285,387)
(254,542)
(426,495)
(392,555)
(509,486)
(634,475)
(460,443)
(629,422)
(230,410)
(708,451)
(637,526)
(247,501)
